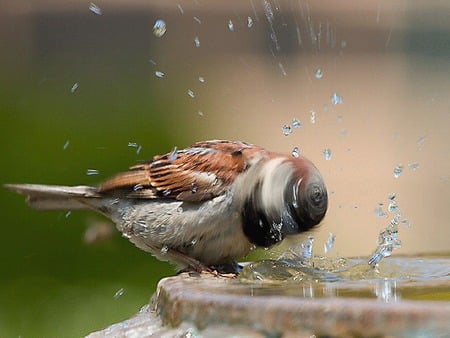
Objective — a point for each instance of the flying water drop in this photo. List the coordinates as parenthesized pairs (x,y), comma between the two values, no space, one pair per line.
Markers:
(197,42)
(295,152)
(327,154)
(312,116)
(249,22)
(91,172)
(173,154)
(319,73)
(230,26)
(329,244)
(286,130)
(95,9)
(398,169)
(159,28)
(119,293)
(74,87)
(159,74)
(296,124)
(336,99)
(191,94)
(413,166)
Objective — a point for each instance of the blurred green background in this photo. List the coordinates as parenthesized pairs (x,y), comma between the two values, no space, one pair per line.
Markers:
(389,61)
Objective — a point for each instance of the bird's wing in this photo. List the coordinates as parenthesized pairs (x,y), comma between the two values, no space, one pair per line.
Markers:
(197,173)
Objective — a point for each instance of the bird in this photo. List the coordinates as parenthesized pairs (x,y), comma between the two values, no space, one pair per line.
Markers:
(204,206)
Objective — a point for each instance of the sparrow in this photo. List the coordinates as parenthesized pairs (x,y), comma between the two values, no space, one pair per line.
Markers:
(203,206)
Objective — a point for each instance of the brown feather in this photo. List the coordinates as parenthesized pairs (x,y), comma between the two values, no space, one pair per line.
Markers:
(197,173)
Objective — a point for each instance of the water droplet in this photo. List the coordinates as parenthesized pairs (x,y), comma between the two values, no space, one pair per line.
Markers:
(230,25)
(194,241)
(312,116)
(173,155)
(200,113)
(319,73)
(159,74)
(392,207)
(166,192)
(132,144)
(138,187)
(327,154)
(392,196)
(379,211)
(413,166)
(91,172)
(191,94)
(95,9)
(406,223)
(119,293)
(307,247)
(283,71)
(74,87)
(181,9)
(398,169)
(159,28)
(66,145)
(201,79)
(198,20)
(295,152)
(329,244)
(286,130)
(249,22)
(421,142)
(138,150)
(67,215)
(336,99)
(194,187)
(295,124)
(197,42)
(164,250)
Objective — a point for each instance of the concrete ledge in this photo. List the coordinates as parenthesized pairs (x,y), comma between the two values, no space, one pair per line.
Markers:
(203,302)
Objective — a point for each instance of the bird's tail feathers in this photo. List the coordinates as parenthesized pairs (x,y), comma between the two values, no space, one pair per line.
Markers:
(57,197)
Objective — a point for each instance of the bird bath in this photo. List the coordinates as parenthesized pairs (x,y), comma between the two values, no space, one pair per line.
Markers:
(403,297)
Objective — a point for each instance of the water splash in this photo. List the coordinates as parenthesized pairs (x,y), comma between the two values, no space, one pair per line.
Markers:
(159,28)
(388,237)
